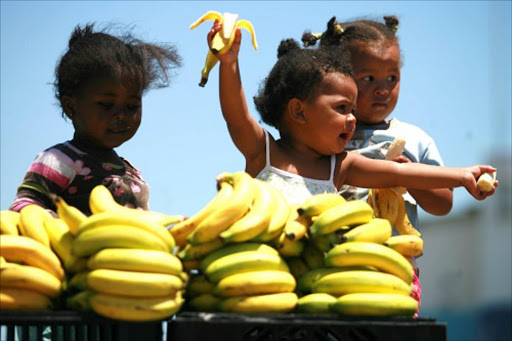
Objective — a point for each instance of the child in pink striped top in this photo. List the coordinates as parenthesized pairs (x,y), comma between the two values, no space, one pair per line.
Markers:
(99,83)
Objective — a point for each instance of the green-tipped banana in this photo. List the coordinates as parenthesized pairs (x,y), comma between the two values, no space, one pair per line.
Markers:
(375,304)
(270,303)
(223,40)
(355,281)
(255,283)
(377,255)
(317,303)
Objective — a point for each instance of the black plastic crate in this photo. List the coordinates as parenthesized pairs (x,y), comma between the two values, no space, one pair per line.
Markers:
(74,326)
(191,326)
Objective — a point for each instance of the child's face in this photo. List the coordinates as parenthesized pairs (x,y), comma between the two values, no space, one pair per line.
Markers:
(329,113)
(377,73)
(105,112)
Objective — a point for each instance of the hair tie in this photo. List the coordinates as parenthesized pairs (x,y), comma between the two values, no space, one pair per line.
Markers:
(338,29)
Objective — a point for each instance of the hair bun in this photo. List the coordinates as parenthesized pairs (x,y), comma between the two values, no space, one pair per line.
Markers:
(286,46)
(391,22)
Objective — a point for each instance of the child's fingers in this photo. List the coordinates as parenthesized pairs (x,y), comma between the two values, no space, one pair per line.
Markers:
(401,159)
(215,28)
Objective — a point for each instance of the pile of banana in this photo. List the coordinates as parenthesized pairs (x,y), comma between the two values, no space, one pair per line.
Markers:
(128,268)
(246,277)
(31,274)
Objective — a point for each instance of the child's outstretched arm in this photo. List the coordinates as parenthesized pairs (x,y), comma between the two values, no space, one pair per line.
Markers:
(436,201)
(247,135)
(369,173)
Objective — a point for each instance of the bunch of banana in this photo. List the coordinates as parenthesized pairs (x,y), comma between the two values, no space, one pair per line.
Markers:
(101,200)
(31,274)
(129,284)
(341,216)
(388,203)
(240,277)
(223,40)
(244,209)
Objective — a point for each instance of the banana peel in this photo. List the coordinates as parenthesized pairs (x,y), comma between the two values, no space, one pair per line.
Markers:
(223,40)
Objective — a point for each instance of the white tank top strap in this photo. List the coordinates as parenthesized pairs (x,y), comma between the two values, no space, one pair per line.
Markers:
(267,147)
(333,165)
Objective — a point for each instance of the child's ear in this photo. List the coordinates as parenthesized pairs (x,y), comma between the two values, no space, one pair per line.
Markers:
(296,110)
(68,106)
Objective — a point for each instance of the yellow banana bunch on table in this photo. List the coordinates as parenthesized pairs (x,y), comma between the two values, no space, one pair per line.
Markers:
(223,40)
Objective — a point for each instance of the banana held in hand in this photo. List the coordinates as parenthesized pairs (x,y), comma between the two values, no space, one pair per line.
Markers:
(223,40)
(486,181)
(407,245)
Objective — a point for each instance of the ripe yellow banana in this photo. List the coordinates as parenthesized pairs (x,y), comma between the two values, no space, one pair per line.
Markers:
(378,230)
(255,283)
(23,299)
(71,215)
(30,278)
(317,303)
(358,281)
(269,303)
(296,225)
(181,230)
(199,285)
(384,202)
(32,223)
(375,304)
(191,252)
(94,240)
(237,248)
(313,257)
(486,181)
(132,283)
(319,203)
(60,237)
(203,302)
(9,222)
(136,260)
(406,245)
(349,213)
(136,309)
(30,252)
(243,262)
(279,217)
(132,218)
(402,223)
(306,281)
(223,40)
(234,209)
(256,220)
(377,255)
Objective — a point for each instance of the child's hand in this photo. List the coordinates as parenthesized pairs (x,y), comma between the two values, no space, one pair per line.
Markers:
(231,55)
(471,175)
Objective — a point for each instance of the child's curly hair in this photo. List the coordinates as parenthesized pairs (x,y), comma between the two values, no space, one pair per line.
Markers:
(357,30)
(93,53)
(296,74)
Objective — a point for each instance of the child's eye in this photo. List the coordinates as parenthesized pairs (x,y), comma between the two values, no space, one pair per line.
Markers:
(342,108)
(368,78)
(133,107)
(392,78)
(105,105)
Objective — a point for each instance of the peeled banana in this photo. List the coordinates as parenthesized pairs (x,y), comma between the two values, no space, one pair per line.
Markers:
(223,40)
(486,181)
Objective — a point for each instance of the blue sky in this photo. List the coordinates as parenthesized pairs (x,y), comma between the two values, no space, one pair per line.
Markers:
(456,83)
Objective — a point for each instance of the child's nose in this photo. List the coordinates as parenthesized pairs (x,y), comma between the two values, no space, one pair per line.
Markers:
(381,91)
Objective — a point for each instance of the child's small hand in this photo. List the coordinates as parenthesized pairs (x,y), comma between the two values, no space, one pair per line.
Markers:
(471,175)
(231,55)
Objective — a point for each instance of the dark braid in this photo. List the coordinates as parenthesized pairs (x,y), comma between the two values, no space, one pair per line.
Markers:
(96,53)
(357,30)
(296,74)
